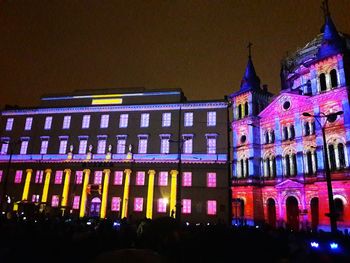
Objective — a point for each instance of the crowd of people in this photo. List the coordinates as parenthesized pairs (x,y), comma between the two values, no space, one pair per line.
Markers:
(63,239)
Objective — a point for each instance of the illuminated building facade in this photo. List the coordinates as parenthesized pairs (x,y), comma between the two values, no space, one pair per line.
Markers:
(278,160)
(108,155)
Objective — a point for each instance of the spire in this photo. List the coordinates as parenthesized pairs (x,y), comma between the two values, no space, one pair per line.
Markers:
(250,79)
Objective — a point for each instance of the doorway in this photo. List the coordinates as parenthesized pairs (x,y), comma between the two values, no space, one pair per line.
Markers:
(95,207)
(292,213)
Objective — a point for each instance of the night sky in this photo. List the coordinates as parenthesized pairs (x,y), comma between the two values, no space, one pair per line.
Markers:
(198,46)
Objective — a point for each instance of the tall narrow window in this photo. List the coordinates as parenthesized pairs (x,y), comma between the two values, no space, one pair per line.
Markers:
(331,154)
(188,122)
(294,171)
(211,144)
(144,120)
(292,132)
(82,145)
(28,125)
(101,145)
(161,205)
(66,122)
(239,111)
(121,143)
(115,204)
(272,136)
(143,141)
(211,207)
(211,118)
(104,121)
(306,128)
(309,162)
(164,143)
(138,204)
(18,176)
(246,110)
(24,146)
(4,145)
(285,133)
(55,201)
(273,174)
(163,179)
(334,78)
(118,178)
(48,123)
(44,145)
(211,179)
(341,155)
(166,119)
(187,179)
(86,122)
(287,163)
(187,143)
(58,177)
(186,206)
(246,163)
(266,137)
(123,120)
(140,178)
(323,84)
(76,201)
(98,177)
(78,177)
(9,124)
(39,176)
(63,145)
(35,198)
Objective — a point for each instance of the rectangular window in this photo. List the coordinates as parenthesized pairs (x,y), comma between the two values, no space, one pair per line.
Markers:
(4,147)
(143,141)
(211,207)
(115,204)
(163,179)
(76,201)
(63,147)
(48,123)
(211,179)
(86,122)
(55,201)
(98,177)
(186,206)
(187,144)
(144,120)
(104,121)
(24,147)
(18,177)
(9,124)
(187,179)
(140,178)
(166,119)
(1,174)
(35,198)
(39,176)
(161,205)
(123,120)
(66,122)
(164,144)
(43,147)
(58,177)
(211,145)
(188,122)
(82,146)
(78,177)
(28,125)
(138,204)
(118,177)
(101,146)
(211,118)
(121,143)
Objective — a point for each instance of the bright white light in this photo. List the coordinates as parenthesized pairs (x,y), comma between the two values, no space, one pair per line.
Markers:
(256,226)
(3,213)
(314,244)
(187,224)
(88,223)
(333,245)
(208,224)
(24,218)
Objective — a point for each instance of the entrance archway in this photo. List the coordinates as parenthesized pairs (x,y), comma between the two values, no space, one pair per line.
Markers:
(292,213)
(95,207)
(271,212)
(314,213)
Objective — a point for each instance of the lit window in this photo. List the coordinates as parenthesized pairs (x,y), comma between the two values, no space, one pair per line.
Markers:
(35,198)
(211,179)
(78,177)
(9,124)
(44,145)
(211,118)
(123,120)
(48,123)
(162,204)
(143,140)
(86,122)
(118,177)
(4,146)
(18,177)
(115,205)
(144,120)
(104,121)
(24,147)
(55,201)
(138,204)
(188,119)
(58,177)
(1,174)
(66,122)
(187,179)
(121,143)
(186,206)
(76,201)
(211,207)
(101,146)
(39,176)
(188,144)
(163,179)
(82,146)
(63,146)
(98,177)
(140,178)
(211,144)
(164,143)
(166,119)
(28,125)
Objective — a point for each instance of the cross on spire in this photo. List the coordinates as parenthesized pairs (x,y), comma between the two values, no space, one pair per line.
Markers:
(250,49)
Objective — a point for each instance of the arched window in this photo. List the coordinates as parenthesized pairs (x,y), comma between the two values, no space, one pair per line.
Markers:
(331,154)
(313,128)
(339,208)
(285,133)
(266,137)
(287,161)
(242,168)
(239,111)
(247,167)
(246,113)
(306,128)
(341,155)
(273,171)
(295,168)
(272,136)
(308,88)
(292,132)
(334,78)
(267,163)
(323,84)
(309,162)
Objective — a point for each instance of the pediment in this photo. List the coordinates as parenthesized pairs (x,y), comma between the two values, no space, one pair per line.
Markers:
(289,184)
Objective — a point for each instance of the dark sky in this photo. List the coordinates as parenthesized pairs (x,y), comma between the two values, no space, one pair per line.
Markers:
(53,46)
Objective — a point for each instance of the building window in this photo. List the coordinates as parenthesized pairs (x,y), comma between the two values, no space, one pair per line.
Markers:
(63,146)
(76,201)
(334,78)
(331,153)
(44,145)
(82,146)
(187,143)
(239,111)
(118,178)
(1,174)
(115,204)
(55,201)
(66,122)
(123,120)
(101,146)
(39,176)
(163,179)
(285,133)
(341,154)
(86,122)
(143,141)
(140,178)
(323,84)
(138,204)
(5,145)
(58,177)
(211,144)
(98,177)
(24,147)
(164,143)
(246,109)
(18,177)
(188,122)
(28,125)
(186,206)
(104,121)
(166,119)
(211,179)
(211,207)
(9,124)
(35,198)
(78,177)
(121,143)
(187,179)
(144,120)
(211,118)
(306,129)
(161,205)
(291,132)
(48,123)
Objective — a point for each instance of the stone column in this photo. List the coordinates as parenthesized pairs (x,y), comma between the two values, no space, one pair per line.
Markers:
(126,193)
(84,193)
(107,173)
(46,185)
(172,203)
(27,184)
(64,201)
(149,208)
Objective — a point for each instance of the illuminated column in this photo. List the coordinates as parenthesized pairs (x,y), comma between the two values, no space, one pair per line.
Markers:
(314,168)
(150,191)
(238,169)
(46,185)
(291,165)
(64,201)
(107,172)
(265,168)
(172,204)
(336,153)
(284,163)
(328,81)
(84,193)
(27,184)
(126,193)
